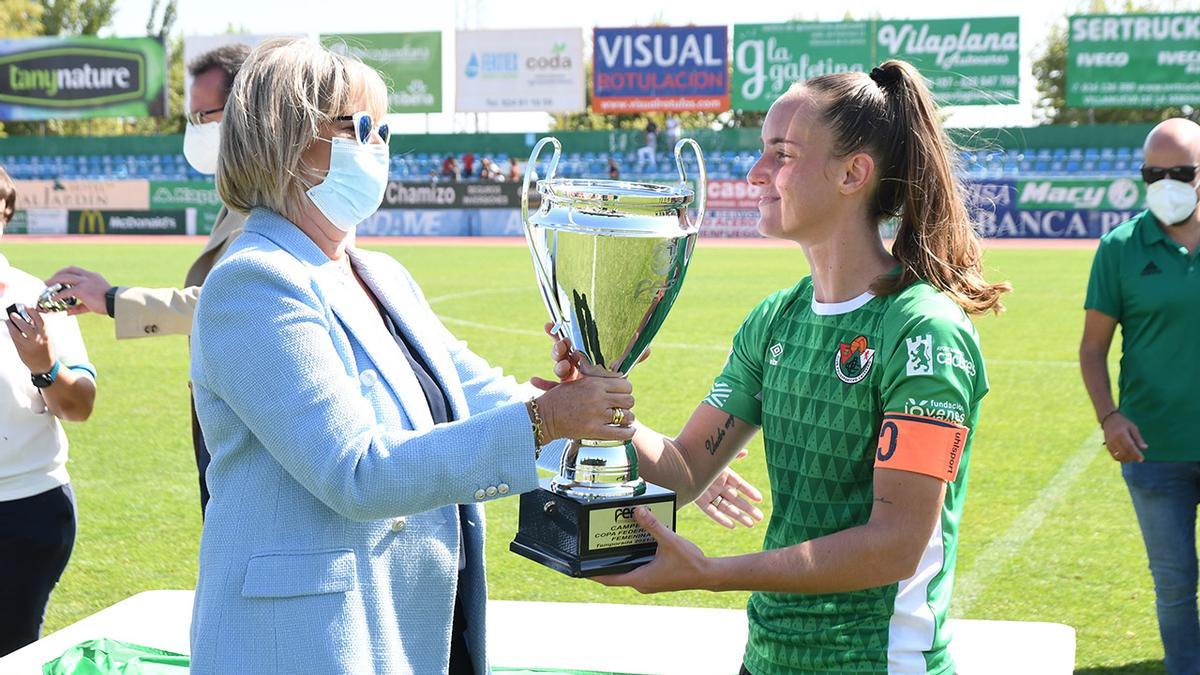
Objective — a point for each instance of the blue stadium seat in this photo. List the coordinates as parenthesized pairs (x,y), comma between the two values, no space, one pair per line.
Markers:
(1059,153)
(1124,153)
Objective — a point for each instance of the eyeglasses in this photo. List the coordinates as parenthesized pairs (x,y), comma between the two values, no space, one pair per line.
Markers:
(1183,174)
(197,117)
(363,125)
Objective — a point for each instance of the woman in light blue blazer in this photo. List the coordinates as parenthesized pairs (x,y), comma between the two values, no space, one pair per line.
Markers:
(353,438)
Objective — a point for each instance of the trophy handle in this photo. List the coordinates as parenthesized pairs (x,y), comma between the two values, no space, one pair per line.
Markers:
(533,157)
(701,183)
(537,248)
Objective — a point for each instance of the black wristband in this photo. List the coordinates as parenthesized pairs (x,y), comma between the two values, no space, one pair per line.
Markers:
(110,302)
(1107,415)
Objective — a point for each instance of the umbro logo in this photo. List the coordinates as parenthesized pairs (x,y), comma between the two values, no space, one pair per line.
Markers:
(1150,269)
(776,351)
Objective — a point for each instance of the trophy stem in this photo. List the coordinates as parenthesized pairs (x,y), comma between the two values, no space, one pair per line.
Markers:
(592,469)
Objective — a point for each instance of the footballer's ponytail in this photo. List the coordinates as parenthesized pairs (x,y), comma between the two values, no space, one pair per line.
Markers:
(890,114)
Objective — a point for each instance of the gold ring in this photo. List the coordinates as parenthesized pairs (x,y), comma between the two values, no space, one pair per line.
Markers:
(717,501)
(618,416)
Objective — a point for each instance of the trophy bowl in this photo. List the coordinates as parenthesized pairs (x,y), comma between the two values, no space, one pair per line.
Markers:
(609,258)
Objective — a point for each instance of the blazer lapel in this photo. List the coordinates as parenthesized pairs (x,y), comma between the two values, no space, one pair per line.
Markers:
(359,316)
(400,305)
(354,310)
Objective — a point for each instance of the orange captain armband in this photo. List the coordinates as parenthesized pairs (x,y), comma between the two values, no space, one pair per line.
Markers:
(924,445)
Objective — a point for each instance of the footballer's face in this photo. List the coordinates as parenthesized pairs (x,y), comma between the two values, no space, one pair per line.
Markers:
(793,172)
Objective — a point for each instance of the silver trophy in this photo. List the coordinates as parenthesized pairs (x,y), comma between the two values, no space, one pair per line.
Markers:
(609,258)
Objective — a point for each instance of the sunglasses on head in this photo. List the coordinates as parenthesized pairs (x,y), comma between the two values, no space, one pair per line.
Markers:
(364,125)
(1183,174)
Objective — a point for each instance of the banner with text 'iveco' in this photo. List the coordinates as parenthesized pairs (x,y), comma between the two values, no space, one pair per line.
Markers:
(44,78)
(965,61)
(674,69)
(1133,60)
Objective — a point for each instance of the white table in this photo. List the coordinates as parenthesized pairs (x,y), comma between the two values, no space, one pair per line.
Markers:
(625,638)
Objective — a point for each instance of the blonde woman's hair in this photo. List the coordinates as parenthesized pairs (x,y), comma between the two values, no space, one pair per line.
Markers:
(891,115)
(285,91)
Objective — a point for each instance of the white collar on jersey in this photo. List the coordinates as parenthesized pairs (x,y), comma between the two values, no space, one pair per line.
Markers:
(844,307)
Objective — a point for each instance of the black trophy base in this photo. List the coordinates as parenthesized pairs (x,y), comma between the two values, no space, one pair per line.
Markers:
(589,537)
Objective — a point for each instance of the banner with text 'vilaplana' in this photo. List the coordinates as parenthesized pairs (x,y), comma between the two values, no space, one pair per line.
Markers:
(1133,60)
(82,77)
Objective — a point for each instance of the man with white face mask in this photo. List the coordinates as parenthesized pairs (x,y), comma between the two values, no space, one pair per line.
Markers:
(146,312)
(1145,277)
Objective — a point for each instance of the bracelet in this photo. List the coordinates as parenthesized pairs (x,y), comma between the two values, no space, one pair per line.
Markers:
(539,427)
(1109,414)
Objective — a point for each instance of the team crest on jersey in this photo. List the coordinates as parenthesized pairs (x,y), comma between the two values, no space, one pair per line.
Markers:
(853,361)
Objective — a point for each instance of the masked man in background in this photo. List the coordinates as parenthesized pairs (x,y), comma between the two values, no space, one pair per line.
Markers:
(146,312)
(1145,277)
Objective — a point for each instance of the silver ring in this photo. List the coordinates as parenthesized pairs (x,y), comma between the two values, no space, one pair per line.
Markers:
(717,501)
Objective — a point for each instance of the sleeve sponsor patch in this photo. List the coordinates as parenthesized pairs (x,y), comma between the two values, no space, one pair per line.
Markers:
(924,445)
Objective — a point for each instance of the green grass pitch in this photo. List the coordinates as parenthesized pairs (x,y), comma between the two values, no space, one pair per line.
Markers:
(1048,531)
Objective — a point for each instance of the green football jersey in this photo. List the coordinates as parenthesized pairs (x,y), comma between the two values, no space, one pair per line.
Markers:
(819,379)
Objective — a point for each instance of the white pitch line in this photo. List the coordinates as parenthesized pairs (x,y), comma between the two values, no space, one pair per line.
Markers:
(1062,363)
(1053,363)
(997,555)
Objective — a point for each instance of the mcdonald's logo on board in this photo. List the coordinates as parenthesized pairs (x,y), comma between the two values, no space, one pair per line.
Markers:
(89,222)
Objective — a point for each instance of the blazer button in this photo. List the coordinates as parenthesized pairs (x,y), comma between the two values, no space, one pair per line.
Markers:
(502,488)
(398,523)
(491,491)
(368,378)
(479,495)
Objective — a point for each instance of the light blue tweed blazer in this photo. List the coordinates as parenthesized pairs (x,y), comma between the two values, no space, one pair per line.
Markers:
(331,544)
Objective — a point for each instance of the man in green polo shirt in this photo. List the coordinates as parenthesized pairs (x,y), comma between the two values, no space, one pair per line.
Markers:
(1146,277)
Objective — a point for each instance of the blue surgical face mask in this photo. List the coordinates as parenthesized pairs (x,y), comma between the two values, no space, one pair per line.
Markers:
(354,186)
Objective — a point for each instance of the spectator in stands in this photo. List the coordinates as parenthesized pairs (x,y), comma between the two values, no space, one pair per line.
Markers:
(449,168)
(149,312)
(485,169)
(614,171)
(493,171)
(514,170)
(354,439)
(44,377)
(468,165)
(674,131)
(1144,279)
(646,153)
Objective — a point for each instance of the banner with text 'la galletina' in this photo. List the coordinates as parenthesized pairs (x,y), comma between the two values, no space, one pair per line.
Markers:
(965,61)
(673,69)
(1133,60)
(59,78)
(770,57)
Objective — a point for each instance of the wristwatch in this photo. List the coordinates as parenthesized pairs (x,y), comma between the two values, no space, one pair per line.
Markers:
(110,302)
(43,380)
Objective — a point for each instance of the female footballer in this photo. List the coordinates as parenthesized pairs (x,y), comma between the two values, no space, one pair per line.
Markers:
(864,377)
